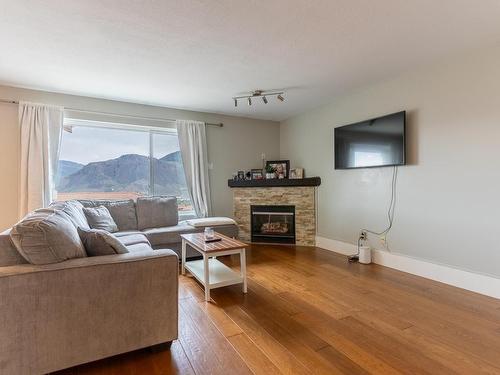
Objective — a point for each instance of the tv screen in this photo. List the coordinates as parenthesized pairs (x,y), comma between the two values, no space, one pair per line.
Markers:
(379,142)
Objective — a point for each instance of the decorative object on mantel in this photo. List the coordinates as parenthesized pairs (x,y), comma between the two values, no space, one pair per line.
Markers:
(296,173)
(259,94)
(280,168)
(275,182)
(269,172)
(241,175)
(257,174)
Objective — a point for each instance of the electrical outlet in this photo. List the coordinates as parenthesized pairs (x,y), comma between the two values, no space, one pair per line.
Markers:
(363,235)
(263,156)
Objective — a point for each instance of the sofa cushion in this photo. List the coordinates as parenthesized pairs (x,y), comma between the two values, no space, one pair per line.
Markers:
(9,256)
(74,210)
(100,218)
(99,242)
(158,237)
(168,235)
(155,212)
(211,221)
(137,247)
(47,235)
(122,211)
(131,238)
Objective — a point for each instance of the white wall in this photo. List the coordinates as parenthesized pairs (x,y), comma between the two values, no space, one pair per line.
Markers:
(448,205)
(236,146)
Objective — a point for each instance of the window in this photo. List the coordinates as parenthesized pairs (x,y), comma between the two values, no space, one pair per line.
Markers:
(104,161)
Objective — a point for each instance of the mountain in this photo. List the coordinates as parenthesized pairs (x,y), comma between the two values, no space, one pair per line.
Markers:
(173,156)
(66,168)
(127,173)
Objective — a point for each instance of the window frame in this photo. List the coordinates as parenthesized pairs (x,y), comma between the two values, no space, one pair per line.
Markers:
(151,130)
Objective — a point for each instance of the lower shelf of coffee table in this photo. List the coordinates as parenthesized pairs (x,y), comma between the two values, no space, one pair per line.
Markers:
(219,274)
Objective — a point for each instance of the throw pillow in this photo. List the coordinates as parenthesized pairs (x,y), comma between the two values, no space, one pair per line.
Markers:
(156,212)
(122,211)
(100,218)
(99,242)
(46,236)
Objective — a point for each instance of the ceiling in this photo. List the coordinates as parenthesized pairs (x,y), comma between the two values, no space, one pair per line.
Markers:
(198,54)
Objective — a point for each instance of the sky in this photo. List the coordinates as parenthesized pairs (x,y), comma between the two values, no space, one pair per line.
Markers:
(89,144)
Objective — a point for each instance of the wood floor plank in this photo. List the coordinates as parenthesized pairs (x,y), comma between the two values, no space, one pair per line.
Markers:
(285,361)
(217,348)
(310,311)
(255,359)
(449,357)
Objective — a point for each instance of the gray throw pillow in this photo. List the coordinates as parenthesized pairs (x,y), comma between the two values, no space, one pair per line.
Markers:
(99,242)
(100,218)
(156,212)
(122,211)
(47,236)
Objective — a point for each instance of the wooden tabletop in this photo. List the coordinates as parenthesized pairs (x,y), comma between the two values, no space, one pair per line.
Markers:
(227,243)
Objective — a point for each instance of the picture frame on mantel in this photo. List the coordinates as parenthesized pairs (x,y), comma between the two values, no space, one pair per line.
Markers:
(296,173)
(281,168)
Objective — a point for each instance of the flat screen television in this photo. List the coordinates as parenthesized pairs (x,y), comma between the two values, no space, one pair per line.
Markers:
(379,142)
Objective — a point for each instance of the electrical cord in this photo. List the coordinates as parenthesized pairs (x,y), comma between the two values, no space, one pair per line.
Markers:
(392,205)
(390,214)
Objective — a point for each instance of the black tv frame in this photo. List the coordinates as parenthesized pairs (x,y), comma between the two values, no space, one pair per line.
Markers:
(371,166)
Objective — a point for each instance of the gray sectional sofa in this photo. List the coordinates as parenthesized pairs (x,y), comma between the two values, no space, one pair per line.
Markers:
(60,308)
(135,222)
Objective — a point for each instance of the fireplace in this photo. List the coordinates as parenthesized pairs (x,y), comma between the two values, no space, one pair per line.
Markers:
(273,224)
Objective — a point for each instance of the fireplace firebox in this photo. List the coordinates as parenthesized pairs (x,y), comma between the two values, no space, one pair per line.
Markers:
(273,224)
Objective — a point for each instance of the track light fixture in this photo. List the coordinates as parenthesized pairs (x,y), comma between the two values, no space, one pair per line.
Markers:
(259,93)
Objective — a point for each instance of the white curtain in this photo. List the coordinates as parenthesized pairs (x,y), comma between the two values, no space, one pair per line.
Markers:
(193,146)
(41,129)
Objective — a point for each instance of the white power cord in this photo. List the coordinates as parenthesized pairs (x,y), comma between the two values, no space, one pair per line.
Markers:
(390,217)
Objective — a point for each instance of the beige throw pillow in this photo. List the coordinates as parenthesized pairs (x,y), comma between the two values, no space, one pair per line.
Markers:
(47,236)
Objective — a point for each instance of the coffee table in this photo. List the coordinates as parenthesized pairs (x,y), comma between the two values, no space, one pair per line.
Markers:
(210,272)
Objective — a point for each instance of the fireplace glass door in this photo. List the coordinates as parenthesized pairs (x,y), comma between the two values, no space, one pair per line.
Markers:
(273,224)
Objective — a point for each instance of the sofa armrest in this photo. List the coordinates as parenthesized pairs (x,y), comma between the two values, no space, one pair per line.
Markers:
(60,315)
(88,262)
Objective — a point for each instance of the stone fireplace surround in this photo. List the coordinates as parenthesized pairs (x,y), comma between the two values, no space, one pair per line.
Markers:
(302,197)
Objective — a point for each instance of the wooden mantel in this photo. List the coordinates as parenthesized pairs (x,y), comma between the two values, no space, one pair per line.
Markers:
(275,182)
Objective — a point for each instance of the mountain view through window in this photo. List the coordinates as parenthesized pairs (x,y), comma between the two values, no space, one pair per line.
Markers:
(112,163)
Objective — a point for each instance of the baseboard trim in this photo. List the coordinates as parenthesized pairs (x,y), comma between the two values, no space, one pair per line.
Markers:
(483,284)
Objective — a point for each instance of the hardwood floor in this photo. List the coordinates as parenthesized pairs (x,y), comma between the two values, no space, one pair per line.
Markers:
(309,311)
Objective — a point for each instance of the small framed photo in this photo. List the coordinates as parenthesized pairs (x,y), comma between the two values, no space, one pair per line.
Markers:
(280,168)
(257,174)
(297,173)
(241,175)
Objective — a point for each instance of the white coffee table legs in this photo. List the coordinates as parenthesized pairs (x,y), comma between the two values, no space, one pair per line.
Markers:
(206,277)
(183,257)
(243,266)
(211,273)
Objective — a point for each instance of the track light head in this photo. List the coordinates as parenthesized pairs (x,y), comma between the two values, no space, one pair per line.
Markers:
(281,98)
(264,99)
(249,101)
(235,102)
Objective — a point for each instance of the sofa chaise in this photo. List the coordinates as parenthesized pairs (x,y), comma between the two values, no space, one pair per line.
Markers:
(60,308)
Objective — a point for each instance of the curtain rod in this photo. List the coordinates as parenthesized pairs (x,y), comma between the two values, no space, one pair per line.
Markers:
(219,124)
